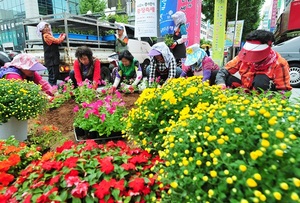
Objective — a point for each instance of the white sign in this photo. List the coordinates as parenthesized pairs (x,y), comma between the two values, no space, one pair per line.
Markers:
(146,18)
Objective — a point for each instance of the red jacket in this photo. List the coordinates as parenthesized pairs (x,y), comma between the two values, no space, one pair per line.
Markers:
(96,75)
(278,72)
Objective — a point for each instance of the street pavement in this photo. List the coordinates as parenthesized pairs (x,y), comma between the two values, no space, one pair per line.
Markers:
(295,95)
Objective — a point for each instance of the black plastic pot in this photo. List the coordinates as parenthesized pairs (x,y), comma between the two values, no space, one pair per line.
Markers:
(84,135)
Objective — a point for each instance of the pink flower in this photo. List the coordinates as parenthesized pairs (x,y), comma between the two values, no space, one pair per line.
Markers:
(84,104)
(111,110)
(157,79)
(80,190)
(54,180)
(118,94)
(76,109)
(67,78)
(72,180)
(102,117)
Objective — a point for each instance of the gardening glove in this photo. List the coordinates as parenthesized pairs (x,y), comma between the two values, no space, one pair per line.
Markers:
(223,86)
(112,90)
(62,35)
(173,45)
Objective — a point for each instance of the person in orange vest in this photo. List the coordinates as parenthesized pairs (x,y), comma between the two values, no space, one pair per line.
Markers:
(260,67)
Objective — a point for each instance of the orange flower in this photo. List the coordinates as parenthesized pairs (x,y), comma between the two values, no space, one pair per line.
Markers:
(4,166)
(11,149)
(47,156)
(14,159)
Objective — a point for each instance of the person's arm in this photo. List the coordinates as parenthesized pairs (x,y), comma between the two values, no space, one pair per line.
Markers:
(49,39)
(46,87)
(123,42)
(282,75)
(172,68)
(77,72)
(97,73)
(119,75)
(221,76)
(183,34)
(152,71)
(139,73)
(206,74)
(185,69)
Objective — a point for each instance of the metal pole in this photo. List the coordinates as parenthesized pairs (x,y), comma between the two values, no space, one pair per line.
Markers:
(235,22)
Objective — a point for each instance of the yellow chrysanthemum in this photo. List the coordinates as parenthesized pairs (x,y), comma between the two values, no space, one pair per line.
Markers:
(251,183)
(277,195)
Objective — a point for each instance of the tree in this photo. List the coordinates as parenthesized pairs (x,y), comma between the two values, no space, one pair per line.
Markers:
(95,6)
(249,11)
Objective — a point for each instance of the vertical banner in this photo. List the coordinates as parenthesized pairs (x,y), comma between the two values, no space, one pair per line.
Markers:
(230,33)
(192,10)
(146,18)
(274,15)
(219,31)
(167,9)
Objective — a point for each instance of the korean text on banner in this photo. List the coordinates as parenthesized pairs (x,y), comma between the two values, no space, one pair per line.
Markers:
(230,33)
(192,10)
(146,18)
(167,9)
(274,15)
(219,31)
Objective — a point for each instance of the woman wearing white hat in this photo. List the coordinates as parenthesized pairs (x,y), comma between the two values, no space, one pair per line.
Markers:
(51,52)
(260,67)
(24,67)
(197,61)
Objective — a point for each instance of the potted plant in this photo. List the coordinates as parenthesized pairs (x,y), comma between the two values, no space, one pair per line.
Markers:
(19,101)
(111,18)
(99,116)
(109,35)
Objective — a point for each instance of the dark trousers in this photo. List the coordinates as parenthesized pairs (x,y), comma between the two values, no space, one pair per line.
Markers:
(260,82)
(53,72)
(212,79)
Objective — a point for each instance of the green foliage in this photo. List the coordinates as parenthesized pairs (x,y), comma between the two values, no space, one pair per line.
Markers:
(168,39)
(88,172)
(103,116)
(45,136)
(20,99)
(249,11)
(95,6)
(122,18)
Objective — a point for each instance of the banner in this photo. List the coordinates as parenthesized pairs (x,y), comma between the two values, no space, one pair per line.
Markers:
(230,33)
(192,10)
(274,15)
(219,31)
(146,18)
(166,23)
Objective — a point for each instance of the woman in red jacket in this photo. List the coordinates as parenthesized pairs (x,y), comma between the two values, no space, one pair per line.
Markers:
(86,67)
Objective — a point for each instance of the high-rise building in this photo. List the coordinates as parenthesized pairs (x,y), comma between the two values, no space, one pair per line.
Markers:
(13,12)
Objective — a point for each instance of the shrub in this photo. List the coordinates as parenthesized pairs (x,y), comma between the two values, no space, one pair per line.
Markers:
(20,99)
(88,172)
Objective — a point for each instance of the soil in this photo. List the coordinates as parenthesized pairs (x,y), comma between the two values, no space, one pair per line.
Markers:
(63,117)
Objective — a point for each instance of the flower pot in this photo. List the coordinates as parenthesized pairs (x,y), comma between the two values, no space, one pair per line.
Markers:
(77,36)
(84,135)
(109,38)
(92,37)
(14,127)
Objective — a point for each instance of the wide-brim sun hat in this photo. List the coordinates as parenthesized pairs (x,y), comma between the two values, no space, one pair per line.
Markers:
(26,62)
(193,54)
(254,51)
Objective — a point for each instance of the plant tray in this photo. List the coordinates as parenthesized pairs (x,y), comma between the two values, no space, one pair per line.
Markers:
(84,135)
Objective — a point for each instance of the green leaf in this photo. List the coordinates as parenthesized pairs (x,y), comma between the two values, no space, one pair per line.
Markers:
(76,200)
(89,199)
(116,193)
(64,195)
(127,200)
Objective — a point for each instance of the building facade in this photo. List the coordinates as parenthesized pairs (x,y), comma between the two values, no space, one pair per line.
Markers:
(13,12)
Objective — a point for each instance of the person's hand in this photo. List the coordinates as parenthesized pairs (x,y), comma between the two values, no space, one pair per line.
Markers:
(63,35)
(112,90)
(223,86)
(173,45)
(50,98)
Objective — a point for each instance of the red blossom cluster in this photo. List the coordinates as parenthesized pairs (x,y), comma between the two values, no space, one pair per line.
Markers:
(110,172)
